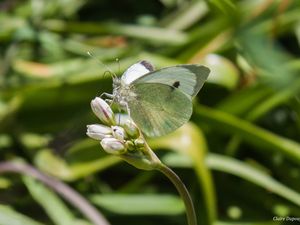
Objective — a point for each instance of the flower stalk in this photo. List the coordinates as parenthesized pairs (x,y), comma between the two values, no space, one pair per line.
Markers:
(127,142)
(189,206)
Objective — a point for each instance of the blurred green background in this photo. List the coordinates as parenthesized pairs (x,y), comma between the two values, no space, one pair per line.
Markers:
(240,154)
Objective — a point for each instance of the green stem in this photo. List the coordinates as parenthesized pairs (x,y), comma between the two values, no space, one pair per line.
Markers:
(190,211)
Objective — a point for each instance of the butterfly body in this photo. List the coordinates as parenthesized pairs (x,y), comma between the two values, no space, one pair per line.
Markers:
(122,93)
(158,101)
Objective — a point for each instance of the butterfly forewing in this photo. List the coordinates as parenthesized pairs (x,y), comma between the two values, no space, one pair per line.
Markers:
(187,78)
(137,70)
(159,108)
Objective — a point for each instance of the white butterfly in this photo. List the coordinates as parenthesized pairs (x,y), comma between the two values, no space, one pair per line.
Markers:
(158,101)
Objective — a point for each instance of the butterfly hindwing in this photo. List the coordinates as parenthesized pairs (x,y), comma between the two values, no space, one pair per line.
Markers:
(162,110)
(187,78)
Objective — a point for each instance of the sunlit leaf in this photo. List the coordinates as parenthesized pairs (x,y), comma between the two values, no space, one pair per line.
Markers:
(53,206)
(9,216)
(144,204)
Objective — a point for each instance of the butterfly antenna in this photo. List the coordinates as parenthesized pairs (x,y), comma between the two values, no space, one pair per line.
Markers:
(119,65)
(113,75)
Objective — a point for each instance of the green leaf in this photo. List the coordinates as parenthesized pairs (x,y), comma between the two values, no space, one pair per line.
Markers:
(177,160)
(151,34)
(7,110)
(240,169)
(186,15)
(252,134)
(247,99)
(190,141)
(4,183)
(51,203)
(52,164)
(247,223)
(140,204)
(223,71)
(9,216)
(226,6)
(269,61)
(56,166)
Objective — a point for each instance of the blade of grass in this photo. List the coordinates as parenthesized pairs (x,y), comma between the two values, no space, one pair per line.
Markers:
(140,204)
(52,164)
(273,101)
(187,140)
(244,171)
(238,168)
(8,216)
(151,34)
(64,190)
(53,206)
(186,15)
(248,223)
(252,134)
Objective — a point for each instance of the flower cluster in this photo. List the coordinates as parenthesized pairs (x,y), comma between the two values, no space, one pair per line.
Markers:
(123,138)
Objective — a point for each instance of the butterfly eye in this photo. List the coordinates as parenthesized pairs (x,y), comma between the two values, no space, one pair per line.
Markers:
(116,83)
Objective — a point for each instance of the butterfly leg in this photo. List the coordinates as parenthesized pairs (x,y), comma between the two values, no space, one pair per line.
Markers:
(109,101)
(126,107)
(109,98)
(107,95)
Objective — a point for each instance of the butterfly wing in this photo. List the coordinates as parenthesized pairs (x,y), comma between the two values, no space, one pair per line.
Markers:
(136,70)
(187,78)
(159,109)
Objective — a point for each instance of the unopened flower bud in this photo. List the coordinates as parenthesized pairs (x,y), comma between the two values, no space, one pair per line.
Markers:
(130,145)
(103,111)
(118,132)
(139,142)
(98,131)
(131,129)
(113,146)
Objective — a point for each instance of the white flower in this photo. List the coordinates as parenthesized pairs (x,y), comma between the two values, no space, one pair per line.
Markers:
(139,142)
(131,129)
(103,111)
(98,131)
(118,132)
(113,146)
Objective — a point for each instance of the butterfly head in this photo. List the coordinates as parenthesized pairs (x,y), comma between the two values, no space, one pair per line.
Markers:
(121,92)
(116,83)
(123,87)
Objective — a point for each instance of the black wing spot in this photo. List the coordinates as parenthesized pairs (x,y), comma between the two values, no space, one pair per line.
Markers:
(176,84)
(148,65)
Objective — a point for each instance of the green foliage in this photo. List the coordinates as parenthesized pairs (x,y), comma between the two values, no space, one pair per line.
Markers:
(239,156)
(53,206)
(10,216)
(142,204)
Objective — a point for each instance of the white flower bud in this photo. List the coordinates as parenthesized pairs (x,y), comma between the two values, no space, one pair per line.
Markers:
(130,145)
(131,129)
(103,111)
(98,131)
(118,132)
(113,146)
(139,142)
